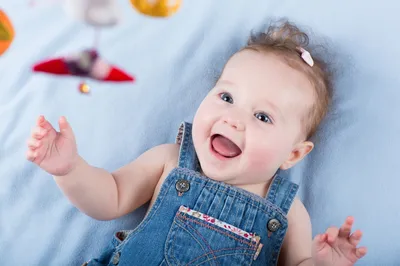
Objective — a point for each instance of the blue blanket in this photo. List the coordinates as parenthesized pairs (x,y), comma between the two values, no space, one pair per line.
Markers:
(352,171)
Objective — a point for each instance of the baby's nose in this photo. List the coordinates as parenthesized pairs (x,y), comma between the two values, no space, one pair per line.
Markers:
(235,123)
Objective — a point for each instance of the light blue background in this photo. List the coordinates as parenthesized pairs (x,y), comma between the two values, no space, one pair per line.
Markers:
(352,171)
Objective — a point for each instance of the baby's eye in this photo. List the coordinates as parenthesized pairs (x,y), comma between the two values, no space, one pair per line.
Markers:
(263,117)
(226,97)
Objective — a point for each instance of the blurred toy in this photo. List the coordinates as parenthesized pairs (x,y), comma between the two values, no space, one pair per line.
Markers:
(97,13)
(157,8)
(88,63)
(6,32)
(100,13)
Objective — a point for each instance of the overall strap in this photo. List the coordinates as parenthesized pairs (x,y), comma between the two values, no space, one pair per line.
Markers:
(282,193)
(187,153)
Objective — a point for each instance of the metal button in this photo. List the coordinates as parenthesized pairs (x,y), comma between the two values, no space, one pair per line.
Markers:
(273,225)
(115,259)
(182,185)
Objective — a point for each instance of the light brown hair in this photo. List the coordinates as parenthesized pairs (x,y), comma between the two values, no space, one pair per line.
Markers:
(284,39)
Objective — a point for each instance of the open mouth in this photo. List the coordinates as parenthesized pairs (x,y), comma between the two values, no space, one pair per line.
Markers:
(224,147)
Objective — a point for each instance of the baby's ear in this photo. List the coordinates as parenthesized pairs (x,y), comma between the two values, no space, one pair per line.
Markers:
(298,153)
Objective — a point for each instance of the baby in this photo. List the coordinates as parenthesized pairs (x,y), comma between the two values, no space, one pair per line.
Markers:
(216,197)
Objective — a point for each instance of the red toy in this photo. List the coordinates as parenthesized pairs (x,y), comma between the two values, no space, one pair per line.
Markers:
(88,64)
(85,64)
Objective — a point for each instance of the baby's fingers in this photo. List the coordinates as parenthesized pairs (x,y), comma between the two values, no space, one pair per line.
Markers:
(33,144)
(332,234)
(36,155)
(345,230)
(320,241)
(31,155)
(43,123)
(360,252)
(355,238)
(38,132)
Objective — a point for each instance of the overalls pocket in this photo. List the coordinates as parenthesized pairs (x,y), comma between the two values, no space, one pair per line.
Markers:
(196,238)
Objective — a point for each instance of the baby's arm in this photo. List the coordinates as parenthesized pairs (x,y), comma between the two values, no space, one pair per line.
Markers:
(105,196)
(296,248)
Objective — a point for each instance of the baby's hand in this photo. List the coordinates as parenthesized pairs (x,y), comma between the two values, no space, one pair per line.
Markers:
(337,246)
(55,152)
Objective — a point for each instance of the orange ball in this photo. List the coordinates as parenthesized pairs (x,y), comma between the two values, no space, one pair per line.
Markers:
(157,8)
(84,88)
(6,32)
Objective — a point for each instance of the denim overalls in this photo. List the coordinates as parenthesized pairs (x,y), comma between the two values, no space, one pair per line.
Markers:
(198,221)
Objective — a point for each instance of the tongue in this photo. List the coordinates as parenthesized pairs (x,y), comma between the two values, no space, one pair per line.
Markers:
(225,147)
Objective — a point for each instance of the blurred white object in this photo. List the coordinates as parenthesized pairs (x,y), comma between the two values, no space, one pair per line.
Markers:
(98,13)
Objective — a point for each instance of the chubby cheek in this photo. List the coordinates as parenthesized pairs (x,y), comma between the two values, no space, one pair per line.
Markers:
(265,156)
(207,111)
(200,128)
(205,117)
(198,137)
(202,123)
(263,160)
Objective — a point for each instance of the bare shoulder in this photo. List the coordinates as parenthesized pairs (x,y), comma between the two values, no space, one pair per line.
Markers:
(170,153)
(299,224)
(298,240)
(138,180)
(167,150)
(298,211)
(162,155)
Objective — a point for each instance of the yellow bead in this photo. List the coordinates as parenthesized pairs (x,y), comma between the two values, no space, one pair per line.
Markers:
(84,88)
(157,8)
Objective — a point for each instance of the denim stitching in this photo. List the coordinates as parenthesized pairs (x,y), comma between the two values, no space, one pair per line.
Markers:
(220,199)
(183,151)
(200,235)
(248,216)
(201,205)
(289,198)
(223,249)
(250,203)
(214,229)
(219,203)
(168,242)
(250,219)
(225,256)
(184,147)
(276,182)
(249,199)
(231,202)
(237,213)
(181,227)
(192,174)
(272,190)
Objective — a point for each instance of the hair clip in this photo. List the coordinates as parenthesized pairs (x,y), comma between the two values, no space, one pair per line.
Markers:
(306,56)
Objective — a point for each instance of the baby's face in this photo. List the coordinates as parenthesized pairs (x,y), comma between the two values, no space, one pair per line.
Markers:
(251,122)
